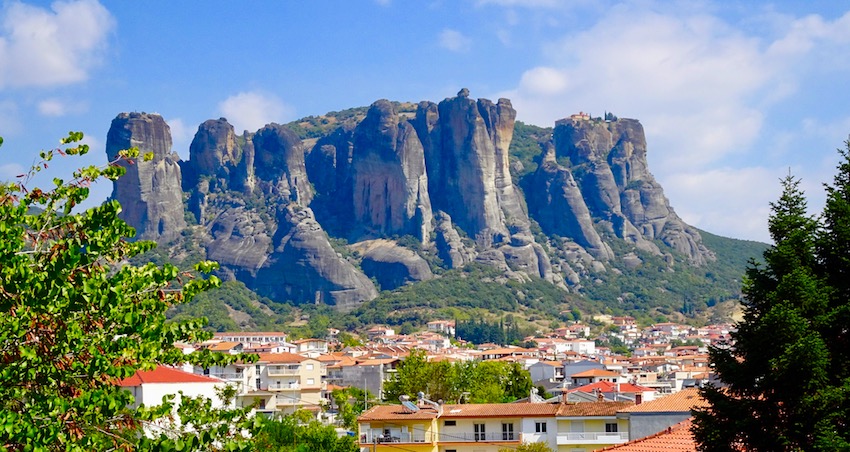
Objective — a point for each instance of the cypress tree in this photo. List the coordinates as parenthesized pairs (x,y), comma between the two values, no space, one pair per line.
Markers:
(785,380)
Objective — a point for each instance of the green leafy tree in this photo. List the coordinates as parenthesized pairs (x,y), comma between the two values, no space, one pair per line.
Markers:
(470,381)
(289,435)
(528,447)
(787,375)
(75,319)
(350,402)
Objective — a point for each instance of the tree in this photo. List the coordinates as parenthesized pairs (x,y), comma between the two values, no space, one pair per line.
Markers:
(289,435)
(350,402)
(76,319)
(528,447)
(787,375)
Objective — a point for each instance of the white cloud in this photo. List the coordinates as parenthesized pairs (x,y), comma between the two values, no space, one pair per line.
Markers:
(714,199)
(181,136)
(454,40)
(252,110)
(52,107)
(10,171)
(544,81)
(10,123)
(703,89)
(40,47)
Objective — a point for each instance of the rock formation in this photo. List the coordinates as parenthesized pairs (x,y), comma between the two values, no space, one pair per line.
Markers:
(608,160)
(441,174)
(304,267)
(390,264)
(150,192)
(389,183)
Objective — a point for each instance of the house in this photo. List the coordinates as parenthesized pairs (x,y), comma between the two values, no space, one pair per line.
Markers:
(311,348)
(657,415)
(546,371)
(492,426)
(250,339)
(616,391)
(285,382)
(594,375)
(677,438)
(148,386)
(442,326)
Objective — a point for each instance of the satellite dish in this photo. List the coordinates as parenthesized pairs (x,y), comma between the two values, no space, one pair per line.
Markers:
(410,406)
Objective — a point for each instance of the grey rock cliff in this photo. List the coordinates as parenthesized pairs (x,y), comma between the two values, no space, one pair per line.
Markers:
(608,160)
(279,164)
(150,192)
(304,266)
(560,209)
(389,182)
(390,264)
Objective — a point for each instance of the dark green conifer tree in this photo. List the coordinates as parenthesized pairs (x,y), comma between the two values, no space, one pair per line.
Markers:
(787,376)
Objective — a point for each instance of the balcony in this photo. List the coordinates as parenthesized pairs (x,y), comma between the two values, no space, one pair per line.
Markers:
(228,376)
(377,436)
(285,387)
(280,371)
(593,438)
(463,437)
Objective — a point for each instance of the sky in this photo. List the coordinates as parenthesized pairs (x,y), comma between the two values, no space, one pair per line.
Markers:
(733,95)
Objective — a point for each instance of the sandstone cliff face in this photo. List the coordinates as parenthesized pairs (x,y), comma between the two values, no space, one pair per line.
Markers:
(390,264)
(304,267)
(150,192)
(441,175)
(279,163)
(560,209)
(389,182)
(608,160)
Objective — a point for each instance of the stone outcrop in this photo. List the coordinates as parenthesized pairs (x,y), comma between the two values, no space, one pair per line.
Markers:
(390,264)
(608,160)
(279,164)
(150,192)
(304,267)
(466,145)
(441,174)
(389,182)
(450,246)
(560,209)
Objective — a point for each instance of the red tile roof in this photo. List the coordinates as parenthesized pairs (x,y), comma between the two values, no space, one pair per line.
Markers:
(595,373)
(683,400)
(607,386)
(677,438)
(164,374)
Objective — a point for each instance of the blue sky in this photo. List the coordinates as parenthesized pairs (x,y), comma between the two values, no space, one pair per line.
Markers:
(732,94)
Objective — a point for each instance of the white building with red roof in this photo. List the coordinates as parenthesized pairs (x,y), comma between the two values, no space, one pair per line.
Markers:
(149,386)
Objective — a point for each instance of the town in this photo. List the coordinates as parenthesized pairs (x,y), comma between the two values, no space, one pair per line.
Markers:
(585,396)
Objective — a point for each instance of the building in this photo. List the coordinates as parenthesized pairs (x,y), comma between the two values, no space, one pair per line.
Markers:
(662,413)
(286,382)
(489,427)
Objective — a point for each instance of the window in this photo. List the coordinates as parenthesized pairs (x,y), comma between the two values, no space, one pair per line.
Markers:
(480,434)
(258,384)
(449,424)
(611,427)
(507,432)
(309,366)
(311,381)
(540,427)
(257,368)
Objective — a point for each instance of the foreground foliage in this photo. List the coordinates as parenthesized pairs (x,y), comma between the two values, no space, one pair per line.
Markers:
(288,434)
(788,373)
(75,320)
